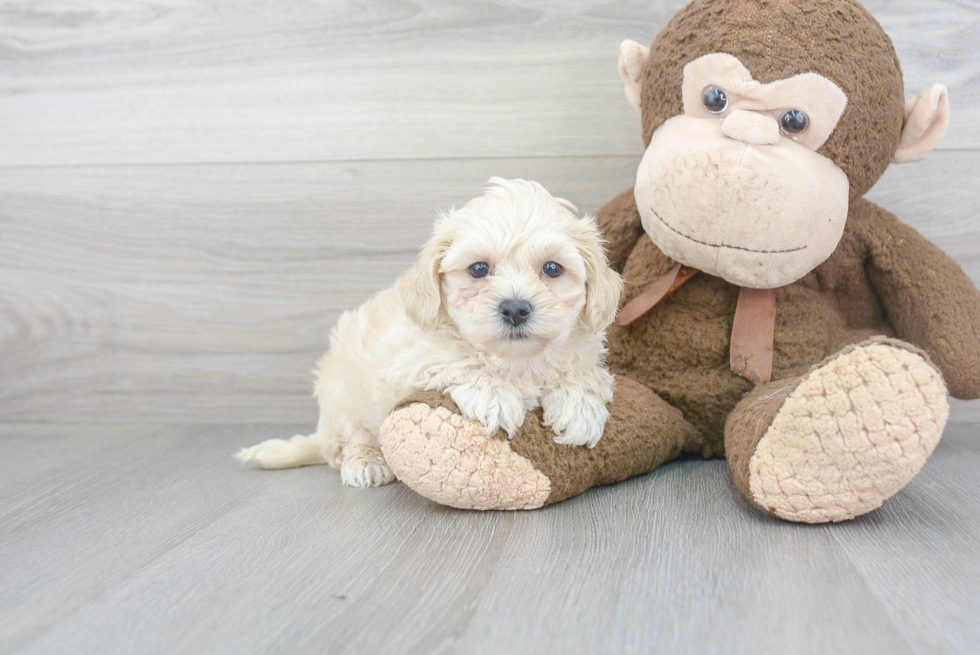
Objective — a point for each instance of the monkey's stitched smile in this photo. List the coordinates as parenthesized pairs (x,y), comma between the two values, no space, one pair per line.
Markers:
(724,245)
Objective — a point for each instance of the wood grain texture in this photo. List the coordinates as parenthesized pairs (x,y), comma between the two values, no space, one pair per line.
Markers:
(165,544)
(191,192)
(206,293)
(176,81)
(192,292)
(926,548)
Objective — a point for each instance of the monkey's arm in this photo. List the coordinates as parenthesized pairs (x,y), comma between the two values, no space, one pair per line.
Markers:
(929,299)
(619,222)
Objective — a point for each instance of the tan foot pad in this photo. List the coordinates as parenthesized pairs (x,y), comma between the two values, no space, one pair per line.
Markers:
(851,435)
(452,461)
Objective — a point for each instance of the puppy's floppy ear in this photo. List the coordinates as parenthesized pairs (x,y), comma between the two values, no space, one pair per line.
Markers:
(603,285)
(420,287)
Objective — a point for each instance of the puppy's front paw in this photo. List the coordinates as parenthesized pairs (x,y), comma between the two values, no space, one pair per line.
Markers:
(497,406)
(364,466)
(576,416)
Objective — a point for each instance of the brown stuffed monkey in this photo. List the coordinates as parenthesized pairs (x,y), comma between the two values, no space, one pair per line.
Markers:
(772,315)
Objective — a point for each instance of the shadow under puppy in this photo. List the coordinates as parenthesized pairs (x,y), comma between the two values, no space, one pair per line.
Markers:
(506,310)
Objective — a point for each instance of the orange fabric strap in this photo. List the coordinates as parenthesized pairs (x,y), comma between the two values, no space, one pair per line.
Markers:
(753,333)
(653,295)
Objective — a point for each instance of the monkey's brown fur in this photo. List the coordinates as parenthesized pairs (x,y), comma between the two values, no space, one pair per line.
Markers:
(676,391)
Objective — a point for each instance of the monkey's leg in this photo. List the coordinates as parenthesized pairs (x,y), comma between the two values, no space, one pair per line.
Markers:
(838,441)
(448,459)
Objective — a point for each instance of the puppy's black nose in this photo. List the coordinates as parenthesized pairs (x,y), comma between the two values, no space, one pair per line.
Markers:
(515,312)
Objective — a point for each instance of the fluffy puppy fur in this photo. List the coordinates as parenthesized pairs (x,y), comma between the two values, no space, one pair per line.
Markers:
(485,315)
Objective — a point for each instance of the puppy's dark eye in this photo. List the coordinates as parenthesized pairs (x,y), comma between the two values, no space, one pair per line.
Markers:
(794,122)
(715,100)
(552,269)
(480,269)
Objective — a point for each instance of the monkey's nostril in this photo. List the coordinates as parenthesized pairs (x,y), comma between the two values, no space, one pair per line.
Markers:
(515,312)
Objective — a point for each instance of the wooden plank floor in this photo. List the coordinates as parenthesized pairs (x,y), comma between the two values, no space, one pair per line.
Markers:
(150,539)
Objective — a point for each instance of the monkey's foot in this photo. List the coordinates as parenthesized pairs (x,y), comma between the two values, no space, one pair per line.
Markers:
(850,435)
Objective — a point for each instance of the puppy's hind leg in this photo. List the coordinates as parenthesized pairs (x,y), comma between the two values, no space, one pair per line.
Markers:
(301,450)
(321,447)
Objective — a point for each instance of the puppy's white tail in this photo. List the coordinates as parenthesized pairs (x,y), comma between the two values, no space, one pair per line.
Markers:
(301,450)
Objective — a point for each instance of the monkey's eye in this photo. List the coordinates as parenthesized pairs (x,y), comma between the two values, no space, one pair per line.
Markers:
(794,122)
(715,100)
(552,269)
(480,269)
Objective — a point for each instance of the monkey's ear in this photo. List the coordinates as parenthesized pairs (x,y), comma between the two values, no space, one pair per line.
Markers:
(632,60)
(926,120)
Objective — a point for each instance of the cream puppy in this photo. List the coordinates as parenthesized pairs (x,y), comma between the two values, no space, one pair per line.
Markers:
(506,309)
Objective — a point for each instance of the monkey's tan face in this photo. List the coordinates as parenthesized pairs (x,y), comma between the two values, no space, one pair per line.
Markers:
(735,187)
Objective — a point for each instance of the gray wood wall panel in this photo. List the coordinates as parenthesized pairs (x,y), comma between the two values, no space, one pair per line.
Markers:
(193,81)
(191,192)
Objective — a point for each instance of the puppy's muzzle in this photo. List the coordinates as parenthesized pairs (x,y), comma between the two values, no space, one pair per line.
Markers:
(515,312)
